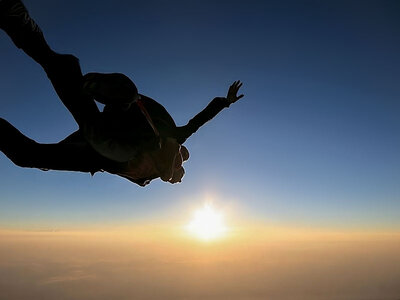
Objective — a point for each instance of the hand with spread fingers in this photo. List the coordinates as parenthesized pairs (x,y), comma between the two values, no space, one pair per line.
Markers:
(134,136)
(232,96)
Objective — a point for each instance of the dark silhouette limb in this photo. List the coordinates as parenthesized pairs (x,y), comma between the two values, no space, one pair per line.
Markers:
(124,139)
(63,70)
(68,155)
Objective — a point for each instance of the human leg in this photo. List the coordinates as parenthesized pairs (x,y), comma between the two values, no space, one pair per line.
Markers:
(24,32)
(69,155)
(65,74)
(63,70)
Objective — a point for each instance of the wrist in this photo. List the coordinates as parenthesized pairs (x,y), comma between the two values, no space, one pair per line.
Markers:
(224,101)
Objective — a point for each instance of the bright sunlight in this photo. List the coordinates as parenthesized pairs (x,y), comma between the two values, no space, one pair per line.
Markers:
(207,224)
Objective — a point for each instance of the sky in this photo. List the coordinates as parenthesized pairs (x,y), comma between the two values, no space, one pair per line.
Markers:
(314,141)
(314,144)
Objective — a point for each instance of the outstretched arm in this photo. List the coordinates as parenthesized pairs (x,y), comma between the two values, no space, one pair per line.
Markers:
(212,109)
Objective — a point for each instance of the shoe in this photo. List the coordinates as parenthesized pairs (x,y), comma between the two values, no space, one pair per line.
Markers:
(13,15)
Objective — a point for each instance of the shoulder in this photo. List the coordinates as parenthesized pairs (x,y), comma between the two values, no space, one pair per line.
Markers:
(160,116)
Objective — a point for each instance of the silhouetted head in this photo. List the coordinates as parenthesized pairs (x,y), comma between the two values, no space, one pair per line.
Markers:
(178,175)
(179,171)
(184,153)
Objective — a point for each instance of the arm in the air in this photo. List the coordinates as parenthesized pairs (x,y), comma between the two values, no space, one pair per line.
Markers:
(212,109)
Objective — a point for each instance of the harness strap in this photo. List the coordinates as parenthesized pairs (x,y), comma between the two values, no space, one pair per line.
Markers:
(144,111)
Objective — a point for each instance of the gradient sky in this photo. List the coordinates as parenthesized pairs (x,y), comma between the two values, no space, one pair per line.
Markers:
(314,142)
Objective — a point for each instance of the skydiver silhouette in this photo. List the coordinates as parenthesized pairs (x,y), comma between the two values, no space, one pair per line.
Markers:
(133,137)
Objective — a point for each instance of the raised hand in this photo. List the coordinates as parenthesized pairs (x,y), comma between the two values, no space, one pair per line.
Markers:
(232,92)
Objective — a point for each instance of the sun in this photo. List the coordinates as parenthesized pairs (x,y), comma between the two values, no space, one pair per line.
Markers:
(207,224)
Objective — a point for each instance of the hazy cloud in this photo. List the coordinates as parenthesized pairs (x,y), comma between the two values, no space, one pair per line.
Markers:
(105,266)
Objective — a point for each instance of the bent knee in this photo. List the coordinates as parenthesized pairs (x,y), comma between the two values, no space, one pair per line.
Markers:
(17,147)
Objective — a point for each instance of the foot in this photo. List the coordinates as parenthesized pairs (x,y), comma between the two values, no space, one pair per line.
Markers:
(14,16)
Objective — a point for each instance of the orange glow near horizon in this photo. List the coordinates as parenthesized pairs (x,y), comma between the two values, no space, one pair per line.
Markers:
(155,262)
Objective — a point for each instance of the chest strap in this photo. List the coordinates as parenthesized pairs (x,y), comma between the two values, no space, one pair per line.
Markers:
(146,114)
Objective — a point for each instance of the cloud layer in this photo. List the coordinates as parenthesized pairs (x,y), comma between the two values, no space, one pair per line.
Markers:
(150,265)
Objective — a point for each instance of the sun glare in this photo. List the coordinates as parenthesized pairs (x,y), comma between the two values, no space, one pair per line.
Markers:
(207,224)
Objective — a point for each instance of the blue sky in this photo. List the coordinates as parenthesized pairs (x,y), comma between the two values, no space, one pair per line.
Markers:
(315,141)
